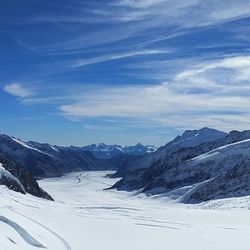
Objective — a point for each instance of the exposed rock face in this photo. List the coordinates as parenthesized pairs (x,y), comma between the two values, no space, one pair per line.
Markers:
(44,160)
(203,168)
(11,183)
(189,139)
(197,166)
(233,183)
(20,180)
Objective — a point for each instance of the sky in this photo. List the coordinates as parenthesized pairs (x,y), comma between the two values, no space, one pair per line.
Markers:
(123,71)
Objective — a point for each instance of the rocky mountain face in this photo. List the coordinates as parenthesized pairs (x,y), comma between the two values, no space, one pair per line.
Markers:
(24,160)
(19,179)
(233,183)
(193,172)
(44,160)
(189,138)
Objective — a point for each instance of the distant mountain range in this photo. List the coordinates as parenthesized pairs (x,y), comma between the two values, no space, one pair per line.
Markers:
(104,151)
(101,150)
(44,160)
(196,166)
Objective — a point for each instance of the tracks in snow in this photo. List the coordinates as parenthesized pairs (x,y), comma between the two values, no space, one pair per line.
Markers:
(78,178)
(60,238)
(22,232)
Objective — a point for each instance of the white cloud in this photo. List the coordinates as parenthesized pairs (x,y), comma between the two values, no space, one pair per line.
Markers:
(212,93)
(134,18)
(140,3)
(18,90)
(229,75)
(101,59)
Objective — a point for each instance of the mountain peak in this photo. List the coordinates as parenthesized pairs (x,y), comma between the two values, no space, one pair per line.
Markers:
(192,138)
(207,129)
(102,150)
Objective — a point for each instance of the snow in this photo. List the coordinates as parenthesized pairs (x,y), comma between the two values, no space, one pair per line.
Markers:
(22,232)
(187,139)
(27,146)
(241,147)
(54,148)
(84,216)
(191,138)
(102,150)
(151,149)
(7,174)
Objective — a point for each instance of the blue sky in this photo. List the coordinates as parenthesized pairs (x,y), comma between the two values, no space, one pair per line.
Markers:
(123,71)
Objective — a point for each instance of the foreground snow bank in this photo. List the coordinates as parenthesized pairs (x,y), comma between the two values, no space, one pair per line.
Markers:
(84,216)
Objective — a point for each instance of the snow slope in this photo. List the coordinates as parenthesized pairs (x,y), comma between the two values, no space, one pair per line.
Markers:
(84,216)
(223,172)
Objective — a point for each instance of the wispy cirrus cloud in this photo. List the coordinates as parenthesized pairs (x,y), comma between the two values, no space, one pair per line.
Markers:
(213,92)
(100,59)
(144,18)
(140,3)
(136,25)
(210,93)
(182,64)
(18,90)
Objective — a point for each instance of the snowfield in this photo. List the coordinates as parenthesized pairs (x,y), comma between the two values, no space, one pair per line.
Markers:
(84,216)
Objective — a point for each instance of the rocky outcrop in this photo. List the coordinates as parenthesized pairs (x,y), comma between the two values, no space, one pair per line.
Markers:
(20,180)
(233,183)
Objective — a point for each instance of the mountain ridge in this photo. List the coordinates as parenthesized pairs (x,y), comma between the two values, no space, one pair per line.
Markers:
(175,171)
(193,167)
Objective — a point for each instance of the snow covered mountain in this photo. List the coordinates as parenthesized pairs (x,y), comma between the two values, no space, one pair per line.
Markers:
(198,165)
(219,173)
(104,151)
(101,150)
(45,160)
(189,138)
(210,170)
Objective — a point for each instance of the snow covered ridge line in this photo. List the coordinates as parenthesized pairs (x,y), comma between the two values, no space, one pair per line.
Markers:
(242,144)
(29,147)
(190,138)
(105,151)
(194,167)
(44,160)
(101,150)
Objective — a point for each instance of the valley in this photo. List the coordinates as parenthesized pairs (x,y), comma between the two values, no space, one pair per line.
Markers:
(85,216)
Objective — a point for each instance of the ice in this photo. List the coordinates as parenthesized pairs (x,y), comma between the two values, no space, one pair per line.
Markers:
(84,216)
